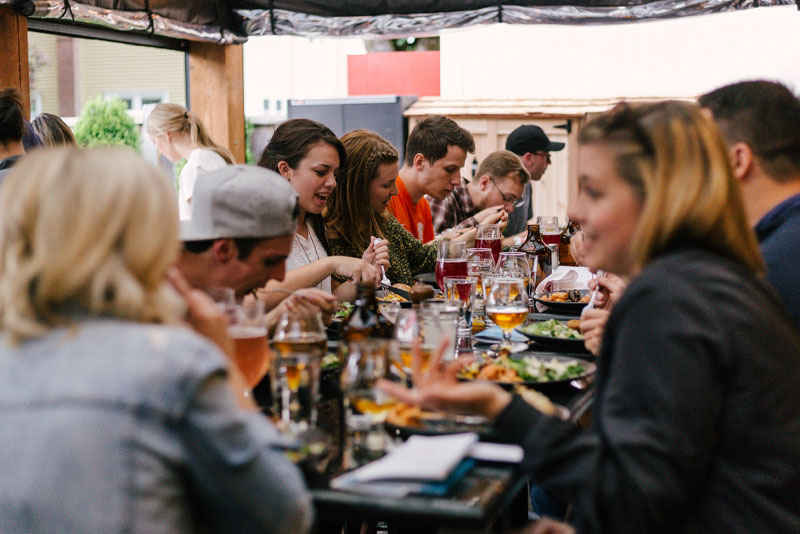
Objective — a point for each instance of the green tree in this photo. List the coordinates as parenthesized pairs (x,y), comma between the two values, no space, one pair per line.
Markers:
(106,122)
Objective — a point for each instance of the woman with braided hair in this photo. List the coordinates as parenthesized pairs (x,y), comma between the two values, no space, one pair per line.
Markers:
(368,181)
(180,134)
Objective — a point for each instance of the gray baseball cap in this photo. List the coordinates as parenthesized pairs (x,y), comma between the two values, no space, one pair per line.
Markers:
(240,201)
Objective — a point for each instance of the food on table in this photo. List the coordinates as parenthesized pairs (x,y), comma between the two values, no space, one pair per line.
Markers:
(402,287)
(392,297)
(330,361)
(420,292)
(525,369)
(575,324)
(402,414)
(343,311)
(572,295)
(552,328)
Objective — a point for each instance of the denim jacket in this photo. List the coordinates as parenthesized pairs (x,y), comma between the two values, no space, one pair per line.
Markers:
(112,426)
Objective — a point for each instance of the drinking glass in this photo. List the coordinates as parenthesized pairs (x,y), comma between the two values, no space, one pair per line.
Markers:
(490,236)
(551,235)
(225,299)
(451,260)
(462,288)
(479,262)
(367,362)
(439,322)
(248,329)
(300,342)
(507,304)
(515,265)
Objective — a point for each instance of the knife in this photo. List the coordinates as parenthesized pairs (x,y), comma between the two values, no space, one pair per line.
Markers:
(403,293)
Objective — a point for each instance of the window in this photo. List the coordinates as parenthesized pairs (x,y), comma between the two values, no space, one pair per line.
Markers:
(135,100)
(278,105)
(266,105)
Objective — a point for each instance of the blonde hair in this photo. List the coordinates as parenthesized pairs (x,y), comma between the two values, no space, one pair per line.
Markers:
(348,214)
(89,232)
(167,117)
(674,157)
(500,164)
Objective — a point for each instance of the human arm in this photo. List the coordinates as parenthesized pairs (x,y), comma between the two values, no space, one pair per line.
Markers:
(593,324)
(302,301)
(234,459)
(377,253)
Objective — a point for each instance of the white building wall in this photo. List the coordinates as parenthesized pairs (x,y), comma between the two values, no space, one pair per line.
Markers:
(288,67)
(677,57)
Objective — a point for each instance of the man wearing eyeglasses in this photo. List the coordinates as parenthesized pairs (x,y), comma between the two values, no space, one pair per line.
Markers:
(533,147)
(495,191)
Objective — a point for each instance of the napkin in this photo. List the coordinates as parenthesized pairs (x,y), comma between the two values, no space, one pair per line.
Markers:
(565,278)
(494,335)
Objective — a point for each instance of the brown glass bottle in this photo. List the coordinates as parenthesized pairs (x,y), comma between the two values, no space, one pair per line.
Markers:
(366,320)
(564,254)
(535,248)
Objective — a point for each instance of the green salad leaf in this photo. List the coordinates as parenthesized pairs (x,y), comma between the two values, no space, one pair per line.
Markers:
(551,328)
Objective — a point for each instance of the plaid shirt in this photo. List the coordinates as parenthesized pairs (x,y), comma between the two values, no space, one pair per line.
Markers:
(455,211)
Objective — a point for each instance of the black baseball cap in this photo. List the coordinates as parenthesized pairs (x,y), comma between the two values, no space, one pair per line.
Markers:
(530,138)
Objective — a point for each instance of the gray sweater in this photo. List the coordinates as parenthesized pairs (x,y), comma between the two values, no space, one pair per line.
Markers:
(116,426)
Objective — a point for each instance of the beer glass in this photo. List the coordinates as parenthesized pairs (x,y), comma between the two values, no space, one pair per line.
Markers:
(299,343)
(248,330)
(490,236)
(451,260)
(507,304)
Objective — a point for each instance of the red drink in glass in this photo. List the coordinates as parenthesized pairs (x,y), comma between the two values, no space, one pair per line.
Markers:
(551,238)
(450,267)
(493,243)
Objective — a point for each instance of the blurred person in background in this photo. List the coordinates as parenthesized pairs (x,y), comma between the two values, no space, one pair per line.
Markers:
(180,134)
(357,209)
(116,417)
(53,131)
(12,129)
(488,198)
(696,423)
(760,121)
(308,155)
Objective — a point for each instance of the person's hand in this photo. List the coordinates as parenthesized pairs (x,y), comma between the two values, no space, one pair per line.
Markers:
(377,252)
(303,302)
(490,215)
(356,270)
(467,235)
(577,248)
(545,525)
(593,324)
(202,314)
(438,389)
(611,289)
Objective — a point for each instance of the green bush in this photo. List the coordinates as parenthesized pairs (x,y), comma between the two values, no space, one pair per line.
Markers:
(106,122)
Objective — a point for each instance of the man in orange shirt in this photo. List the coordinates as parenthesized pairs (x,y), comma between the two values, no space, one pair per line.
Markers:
(435,153)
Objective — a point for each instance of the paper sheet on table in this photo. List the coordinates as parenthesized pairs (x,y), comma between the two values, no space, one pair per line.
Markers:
(421,458)
(567,279)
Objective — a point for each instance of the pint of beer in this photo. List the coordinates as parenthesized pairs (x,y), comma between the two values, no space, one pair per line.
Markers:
(249,334)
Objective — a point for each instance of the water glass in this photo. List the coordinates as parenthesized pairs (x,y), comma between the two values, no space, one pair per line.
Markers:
(515,265)
(439,322)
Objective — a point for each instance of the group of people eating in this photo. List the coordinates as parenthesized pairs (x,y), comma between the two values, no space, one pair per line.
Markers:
(120,409)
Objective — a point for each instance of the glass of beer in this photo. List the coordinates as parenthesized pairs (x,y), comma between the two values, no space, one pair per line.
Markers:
(248,329)
(507,304)
(299,343)
(515,265)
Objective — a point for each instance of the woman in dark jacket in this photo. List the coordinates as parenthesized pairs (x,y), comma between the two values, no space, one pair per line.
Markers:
(697,415)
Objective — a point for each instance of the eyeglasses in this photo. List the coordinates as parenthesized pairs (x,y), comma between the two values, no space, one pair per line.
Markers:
(546,156)
(508,199)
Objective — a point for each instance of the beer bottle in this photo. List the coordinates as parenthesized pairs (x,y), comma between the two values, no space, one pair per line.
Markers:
(564,254)
(535,248)
(366,320)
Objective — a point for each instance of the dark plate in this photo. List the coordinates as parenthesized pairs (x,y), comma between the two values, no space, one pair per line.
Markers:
(568,345)
(427,278)
(572,308)
(590,369)
(446,425)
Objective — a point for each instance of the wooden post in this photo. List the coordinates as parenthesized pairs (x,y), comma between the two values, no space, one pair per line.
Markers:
(14,55)
(216,92)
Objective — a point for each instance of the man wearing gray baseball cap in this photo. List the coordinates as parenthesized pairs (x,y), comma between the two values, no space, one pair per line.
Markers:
(240,233)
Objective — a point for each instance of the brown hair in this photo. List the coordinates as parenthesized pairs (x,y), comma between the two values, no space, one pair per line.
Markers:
(167,117)
(432,136)
(500,164)
(675,159)
(345,214)
(766,117)
(12,124)
(52,130)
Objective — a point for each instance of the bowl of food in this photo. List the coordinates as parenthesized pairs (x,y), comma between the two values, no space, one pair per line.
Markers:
(571,301)
(563,335)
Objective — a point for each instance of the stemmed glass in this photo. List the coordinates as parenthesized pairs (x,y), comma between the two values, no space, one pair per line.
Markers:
(490,236)
(515,265)
(551,235)
(300,342)
(451,260)
(507,304)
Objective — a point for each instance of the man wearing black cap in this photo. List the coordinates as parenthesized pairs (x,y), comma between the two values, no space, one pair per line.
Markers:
(533,147)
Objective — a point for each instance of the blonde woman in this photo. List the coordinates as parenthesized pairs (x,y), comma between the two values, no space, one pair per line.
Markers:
(114,416)
(697,416)
(180,134)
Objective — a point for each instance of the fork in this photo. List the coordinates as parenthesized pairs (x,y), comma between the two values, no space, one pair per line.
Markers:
(590,305)
(384,280)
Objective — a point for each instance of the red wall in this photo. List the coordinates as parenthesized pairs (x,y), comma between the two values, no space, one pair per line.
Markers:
(394,73)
